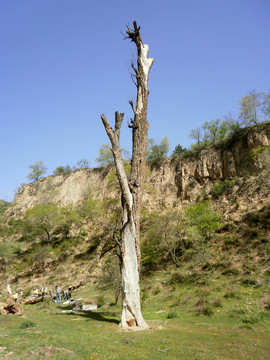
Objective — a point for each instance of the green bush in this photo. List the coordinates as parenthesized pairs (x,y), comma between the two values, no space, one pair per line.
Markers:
(172,314)
(250,319)
(245,326)
(27,324)
(220,188)
(100,300)
(204,218)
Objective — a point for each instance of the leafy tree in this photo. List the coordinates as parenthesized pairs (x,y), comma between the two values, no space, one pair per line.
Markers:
(62,170)
(38,169)
(152,254)
(266,105)
(211,130)
(215,130)
(150,143)
(83,164)
(106,156)
(163,237)
(204,218)
(68,216)
(228,127)
(59,170)
(250,108)
(48,219)
(178,151)
(196,134)
(42,219)
(110,277)
(159,151)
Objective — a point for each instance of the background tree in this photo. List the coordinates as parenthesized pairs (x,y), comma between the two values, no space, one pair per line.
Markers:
(211,129)
(38,170)
(106,156)
(179,150)
(162,238)
(266,105)
(132,187)
(157,151)
(204,218)
(250,108)
(228,126)
(67,217)
(110,277)
(172,235)
(42,219)
(62,170)
(150,143)
(196,134)
(83,164)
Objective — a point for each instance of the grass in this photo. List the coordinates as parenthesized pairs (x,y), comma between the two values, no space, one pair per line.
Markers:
(237,330)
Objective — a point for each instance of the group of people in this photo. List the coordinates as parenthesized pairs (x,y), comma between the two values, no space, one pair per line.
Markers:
(36,292)
(59,294)
(62,293)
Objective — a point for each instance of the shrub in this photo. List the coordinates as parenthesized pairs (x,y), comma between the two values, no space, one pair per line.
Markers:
(248,281)
(172,314)
(221,187)
(157,290)
(204,218)
(231,293)
(100,300)
(27,324)
(203,307)
(245,326)
(217,302)
(231,271)
(231,240)
(250,319)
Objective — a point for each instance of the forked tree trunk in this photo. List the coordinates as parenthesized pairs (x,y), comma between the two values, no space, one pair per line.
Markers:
(132,188)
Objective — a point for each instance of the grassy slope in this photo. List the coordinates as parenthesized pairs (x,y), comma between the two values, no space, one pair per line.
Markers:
(222,307)
(225,335)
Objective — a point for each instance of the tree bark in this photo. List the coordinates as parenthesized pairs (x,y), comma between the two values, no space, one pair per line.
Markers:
(132,188)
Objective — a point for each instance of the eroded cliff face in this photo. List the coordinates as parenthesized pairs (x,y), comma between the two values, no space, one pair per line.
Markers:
(172,183)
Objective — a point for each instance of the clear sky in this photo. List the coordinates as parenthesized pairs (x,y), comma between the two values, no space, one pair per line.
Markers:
(64,62)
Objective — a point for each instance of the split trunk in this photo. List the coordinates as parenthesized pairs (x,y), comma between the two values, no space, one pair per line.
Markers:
(132,187)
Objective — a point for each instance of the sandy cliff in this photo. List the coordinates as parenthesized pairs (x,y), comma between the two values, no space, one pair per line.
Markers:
(173,183)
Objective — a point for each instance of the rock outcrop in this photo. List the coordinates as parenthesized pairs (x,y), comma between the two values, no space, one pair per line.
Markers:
(172,182)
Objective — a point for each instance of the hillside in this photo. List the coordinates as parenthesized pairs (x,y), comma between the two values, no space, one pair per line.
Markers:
(230,178)
(172,182)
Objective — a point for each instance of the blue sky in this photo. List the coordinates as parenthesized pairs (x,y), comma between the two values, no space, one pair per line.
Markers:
(64,62)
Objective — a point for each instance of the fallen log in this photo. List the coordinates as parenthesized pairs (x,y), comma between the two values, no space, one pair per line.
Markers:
(11,307)
(33,300)
(2,310)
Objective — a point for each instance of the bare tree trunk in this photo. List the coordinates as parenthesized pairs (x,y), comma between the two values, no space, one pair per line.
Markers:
(132,188)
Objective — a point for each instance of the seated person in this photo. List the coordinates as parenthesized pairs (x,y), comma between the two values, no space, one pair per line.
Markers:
(35,292)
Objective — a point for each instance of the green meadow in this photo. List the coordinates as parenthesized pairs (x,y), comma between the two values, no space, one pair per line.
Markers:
(215,321)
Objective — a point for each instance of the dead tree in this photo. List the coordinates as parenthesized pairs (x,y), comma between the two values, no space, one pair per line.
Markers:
(132,187)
